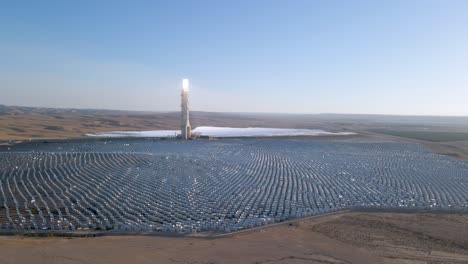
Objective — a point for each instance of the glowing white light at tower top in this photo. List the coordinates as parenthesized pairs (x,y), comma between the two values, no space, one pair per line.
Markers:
(185,85)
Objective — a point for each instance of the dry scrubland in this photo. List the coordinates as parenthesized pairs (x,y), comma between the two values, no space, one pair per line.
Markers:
(31,125)
(342,238)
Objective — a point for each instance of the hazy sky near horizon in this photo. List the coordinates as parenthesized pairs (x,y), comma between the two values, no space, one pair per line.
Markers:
(369,57)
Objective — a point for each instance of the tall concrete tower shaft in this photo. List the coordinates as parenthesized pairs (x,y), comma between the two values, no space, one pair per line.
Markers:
(185,118)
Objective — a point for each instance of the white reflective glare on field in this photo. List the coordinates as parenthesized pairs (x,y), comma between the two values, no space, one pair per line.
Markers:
(142,185)
(226,132)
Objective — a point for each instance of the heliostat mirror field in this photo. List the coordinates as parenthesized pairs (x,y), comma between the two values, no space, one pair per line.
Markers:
(140,185)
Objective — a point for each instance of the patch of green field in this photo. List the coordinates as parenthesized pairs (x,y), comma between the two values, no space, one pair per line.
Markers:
(426,135)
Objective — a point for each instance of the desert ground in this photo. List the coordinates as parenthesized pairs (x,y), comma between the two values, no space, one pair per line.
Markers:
(350,237)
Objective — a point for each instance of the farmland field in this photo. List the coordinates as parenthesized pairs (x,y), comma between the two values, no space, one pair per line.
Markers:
(141,185)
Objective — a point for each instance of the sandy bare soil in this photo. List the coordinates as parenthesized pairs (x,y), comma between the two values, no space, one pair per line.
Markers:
(342,238)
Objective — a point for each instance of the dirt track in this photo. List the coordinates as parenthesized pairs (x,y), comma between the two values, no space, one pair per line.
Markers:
(341,238)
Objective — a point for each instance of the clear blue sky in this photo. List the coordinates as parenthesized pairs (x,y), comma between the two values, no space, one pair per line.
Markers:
(370,57)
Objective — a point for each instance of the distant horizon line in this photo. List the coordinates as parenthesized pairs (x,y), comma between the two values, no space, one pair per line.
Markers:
(236,112)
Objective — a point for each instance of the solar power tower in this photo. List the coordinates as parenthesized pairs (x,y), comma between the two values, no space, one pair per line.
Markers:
(185,122)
